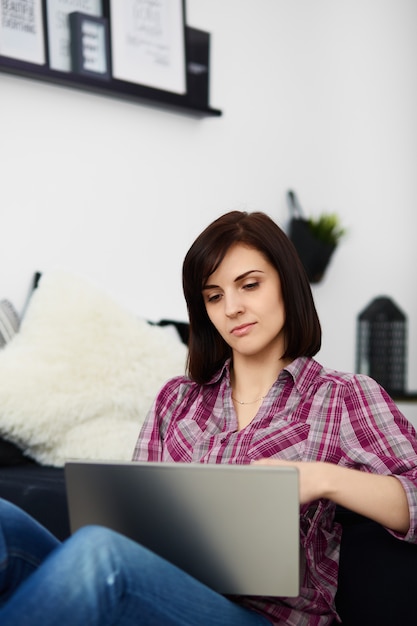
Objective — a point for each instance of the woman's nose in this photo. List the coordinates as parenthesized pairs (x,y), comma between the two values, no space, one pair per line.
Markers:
(233,305)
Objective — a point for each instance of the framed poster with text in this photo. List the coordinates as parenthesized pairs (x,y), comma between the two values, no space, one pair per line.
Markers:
(90,54)
(21,31)
(148,43)
(58,26)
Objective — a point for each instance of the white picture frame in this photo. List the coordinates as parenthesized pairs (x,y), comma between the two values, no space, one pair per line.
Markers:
(58,29)
(21,31)
(148,43)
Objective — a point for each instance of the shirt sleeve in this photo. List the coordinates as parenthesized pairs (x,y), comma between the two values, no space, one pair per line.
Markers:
(149,445)
(377,438)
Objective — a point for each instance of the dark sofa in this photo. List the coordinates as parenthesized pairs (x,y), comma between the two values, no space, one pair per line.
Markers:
(377,571)
(376,577)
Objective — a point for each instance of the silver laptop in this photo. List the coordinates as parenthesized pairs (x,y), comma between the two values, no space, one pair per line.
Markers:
(234,527)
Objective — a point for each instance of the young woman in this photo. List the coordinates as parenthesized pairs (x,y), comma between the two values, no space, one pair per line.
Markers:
(253,394)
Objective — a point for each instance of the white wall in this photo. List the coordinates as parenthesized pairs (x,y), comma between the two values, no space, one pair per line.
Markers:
(316,96)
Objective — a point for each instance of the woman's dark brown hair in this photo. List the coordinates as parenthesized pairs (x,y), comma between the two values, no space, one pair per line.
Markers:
(207,349)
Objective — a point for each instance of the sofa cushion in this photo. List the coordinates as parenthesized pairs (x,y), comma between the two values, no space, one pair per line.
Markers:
(80,376)
(9,322)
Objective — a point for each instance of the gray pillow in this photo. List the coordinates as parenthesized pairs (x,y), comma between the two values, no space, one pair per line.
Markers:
(9,322)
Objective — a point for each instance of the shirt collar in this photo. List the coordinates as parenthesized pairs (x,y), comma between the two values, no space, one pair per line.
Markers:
(302,370)
(224,371)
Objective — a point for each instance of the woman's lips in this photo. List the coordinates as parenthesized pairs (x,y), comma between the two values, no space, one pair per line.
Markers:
(243,329)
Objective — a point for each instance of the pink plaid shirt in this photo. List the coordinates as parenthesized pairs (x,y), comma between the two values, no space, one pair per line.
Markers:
(310,414)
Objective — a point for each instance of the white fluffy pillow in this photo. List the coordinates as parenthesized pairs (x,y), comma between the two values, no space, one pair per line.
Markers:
(80,376)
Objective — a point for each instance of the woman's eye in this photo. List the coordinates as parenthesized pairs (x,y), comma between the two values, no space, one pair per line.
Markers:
(250,286)
(213,298)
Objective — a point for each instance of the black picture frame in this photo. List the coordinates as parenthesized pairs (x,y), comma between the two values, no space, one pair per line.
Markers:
(198,66)
(90,45)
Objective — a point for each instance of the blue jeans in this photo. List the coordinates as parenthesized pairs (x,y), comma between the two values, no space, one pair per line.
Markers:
(99,578)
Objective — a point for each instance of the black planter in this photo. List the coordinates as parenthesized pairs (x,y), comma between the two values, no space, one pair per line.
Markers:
(314,253)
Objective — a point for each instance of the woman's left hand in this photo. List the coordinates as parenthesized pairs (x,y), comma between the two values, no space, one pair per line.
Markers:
(312,477)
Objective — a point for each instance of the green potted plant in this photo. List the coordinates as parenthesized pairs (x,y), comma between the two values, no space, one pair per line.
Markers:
(315,239)
(327,228)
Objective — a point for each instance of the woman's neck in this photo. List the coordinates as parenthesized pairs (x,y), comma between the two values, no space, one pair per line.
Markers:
(251,379)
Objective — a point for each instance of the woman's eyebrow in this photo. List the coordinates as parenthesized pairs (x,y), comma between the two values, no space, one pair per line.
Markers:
(236,280)
(242,276)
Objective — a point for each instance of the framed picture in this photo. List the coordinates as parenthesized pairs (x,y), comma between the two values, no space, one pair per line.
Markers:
(148,43)
(198,66)
(21,31)
(58,27)
(89,45)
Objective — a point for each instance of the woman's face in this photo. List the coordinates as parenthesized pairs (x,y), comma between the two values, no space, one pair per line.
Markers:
(244,302)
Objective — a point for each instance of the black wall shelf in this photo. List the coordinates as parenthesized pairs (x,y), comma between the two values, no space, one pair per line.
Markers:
(112,87)
(195,102)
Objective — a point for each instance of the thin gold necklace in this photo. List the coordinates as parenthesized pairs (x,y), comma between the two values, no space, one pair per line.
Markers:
(251,402)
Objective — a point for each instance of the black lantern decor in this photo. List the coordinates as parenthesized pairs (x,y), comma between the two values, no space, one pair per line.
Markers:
(381,344)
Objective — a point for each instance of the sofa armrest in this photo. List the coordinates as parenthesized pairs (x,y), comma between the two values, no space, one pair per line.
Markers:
(377,572)
(40,491)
